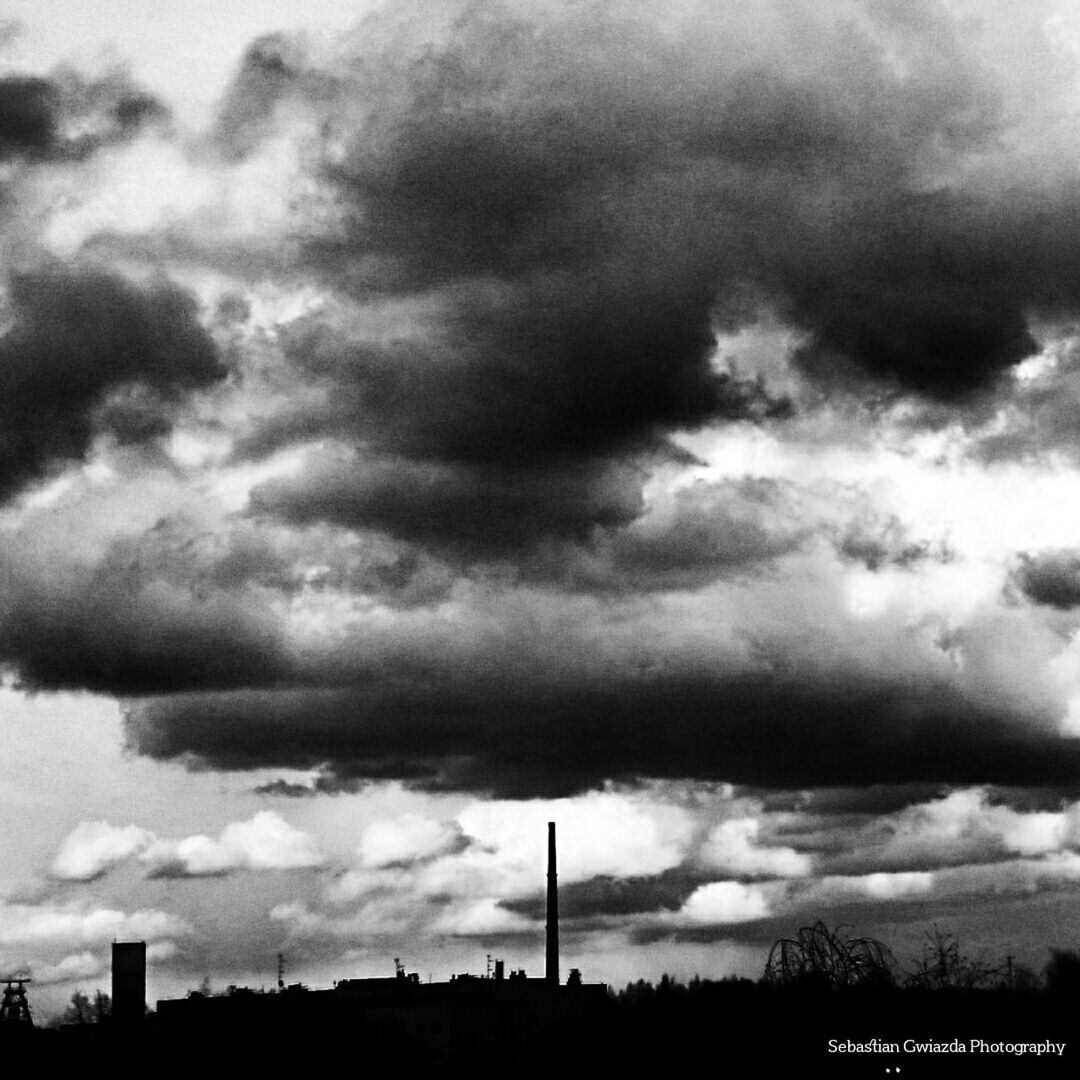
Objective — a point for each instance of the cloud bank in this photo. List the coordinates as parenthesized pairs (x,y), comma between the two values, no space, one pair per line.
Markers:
(431,415)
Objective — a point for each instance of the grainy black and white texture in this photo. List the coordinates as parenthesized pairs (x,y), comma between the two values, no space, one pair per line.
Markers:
(660,418)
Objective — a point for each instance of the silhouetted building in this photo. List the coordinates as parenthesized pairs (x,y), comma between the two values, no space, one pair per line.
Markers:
(128,981)
(470,1023)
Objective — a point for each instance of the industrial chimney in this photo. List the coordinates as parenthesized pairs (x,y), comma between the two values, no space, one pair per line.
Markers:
(551,972)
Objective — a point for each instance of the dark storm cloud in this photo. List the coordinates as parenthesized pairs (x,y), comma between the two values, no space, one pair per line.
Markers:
(141,617)
(66,116)
(606,895)
(286,789)
(1049,577)
(28,108)
(274,68)
(855,803)
(1038,420)
(548,740)
(88,352)
(235,554)
(509,373)
(525,228)
(727,529)
(568,202)
(924,300)
(464,510)
(97,112)
(477,450)
(713,528)
(618,181)
(701,533)
(878,541)
(323,784)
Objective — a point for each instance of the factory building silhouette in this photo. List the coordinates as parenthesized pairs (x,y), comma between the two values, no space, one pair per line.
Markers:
(128,982)
(508,1024)
(471,1023)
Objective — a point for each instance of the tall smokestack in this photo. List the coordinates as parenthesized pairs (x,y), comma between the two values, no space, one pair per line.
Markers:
(551,972)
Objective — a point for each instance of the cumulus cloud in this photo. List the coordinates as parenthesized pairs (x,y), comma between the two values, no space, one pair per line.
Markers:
(1034,419)
(437,410)
(66,116)
(878,543)
(508,269)
(95,847)
(877,886)
(558,320)
(722,902)
(136,608)
(266,842)
(88,352)
(484,730)
(1049,577)
(685,539)
(732,846)
(608,898)
(598,833)
(72,968)
(66,942)
(563,233)
(581,407)
(965,826)
(482,873)
(680,857)
(976,882)
(405,840)
(76,924)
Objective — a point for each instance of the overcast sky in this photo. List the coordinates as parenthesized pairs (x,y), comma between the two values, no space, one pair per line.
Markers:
(422,421)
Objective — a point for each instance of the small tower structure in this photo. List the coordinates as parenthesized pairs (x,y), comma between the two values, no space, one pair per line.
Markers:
(15,1009)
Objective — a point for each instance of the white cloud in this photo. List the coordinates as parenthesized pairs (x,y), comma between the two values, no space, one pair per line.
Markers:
(74,924)
(732,847)
(157,951)
(385,916)
(96,846)
(479,917)
(877,886)
(722,902)
(962,827)
(598,833)
(1035,833)
(405,839)
(72,968)
(1016,877)
(355,884)
(266,842)
(424,876)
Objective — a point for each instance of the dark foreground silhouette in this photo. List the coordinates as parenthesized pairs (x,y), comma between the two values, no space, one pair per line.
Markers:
(827,1005)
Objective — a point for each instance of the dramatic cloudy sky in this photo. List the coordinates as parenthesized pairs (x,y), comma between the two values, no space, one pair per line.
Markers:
(421,421)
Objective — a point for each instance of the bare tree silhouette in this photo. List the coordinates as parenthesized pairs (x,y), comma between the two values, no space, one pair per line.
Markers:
(818,956)
(944,966)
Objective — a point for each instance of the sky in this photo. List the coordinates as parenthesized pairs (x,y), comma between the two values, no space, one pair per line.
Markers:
(420,422)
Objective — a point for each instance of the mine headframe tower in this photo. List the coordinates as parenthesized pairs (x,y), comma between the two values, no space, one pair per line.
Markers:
(15,1009)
